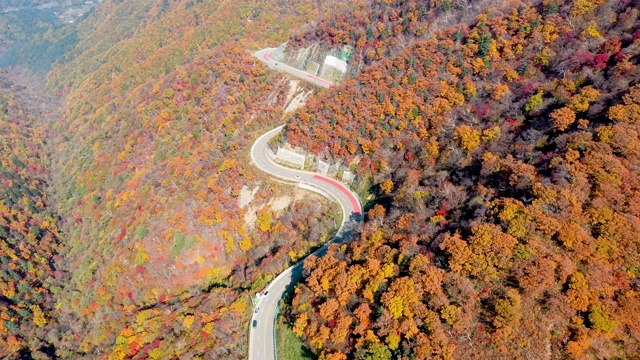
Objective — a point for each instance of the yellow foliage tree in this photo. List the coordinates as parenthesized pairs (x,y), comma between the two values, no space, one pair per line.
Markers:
(450,313)
(387,186)
(468,137)
(582,101)
(449,93)
(38,316)
(499,91)
(562,118)
(246,244)
(396,306)
(239,306)
(393,341)
(491,134)
(188,321)
(581,7)
(229,245)
(264,220)
(629,111)
(336,356)
(508,309)
(591,31)
(578,293)
(300,324)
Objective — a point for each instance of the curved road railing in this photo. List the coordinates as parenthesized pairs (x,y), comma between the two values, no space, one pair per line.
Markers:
(261,333)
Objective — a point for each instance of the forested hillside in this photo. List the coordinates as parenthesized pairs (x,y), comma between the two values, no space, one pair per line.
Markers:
(498,141)
(34,34)
(169,230)
(7,5)
(504,153)
(29,237)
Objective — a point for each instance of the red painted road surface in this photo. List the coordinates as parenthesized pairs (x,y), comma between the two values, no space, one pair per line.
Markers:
(354,202)
(320,79)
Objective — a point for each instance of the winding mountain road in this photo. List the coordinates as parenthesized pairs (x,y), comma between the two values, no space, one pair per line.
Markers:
(263,55)
(261,333)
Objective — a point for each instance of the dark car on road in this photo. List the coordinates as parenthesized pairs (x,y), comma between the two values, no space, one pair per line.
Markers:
(255,323)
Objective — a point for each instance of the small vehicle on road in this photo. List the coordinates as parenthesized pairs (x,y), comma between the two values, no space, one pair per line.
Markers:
(298,177)
(265,293)
(255,323)
(256,310)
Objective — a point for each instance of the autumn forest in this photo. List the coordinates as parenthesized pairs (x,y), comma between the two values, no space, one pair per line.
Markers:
(495,146)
